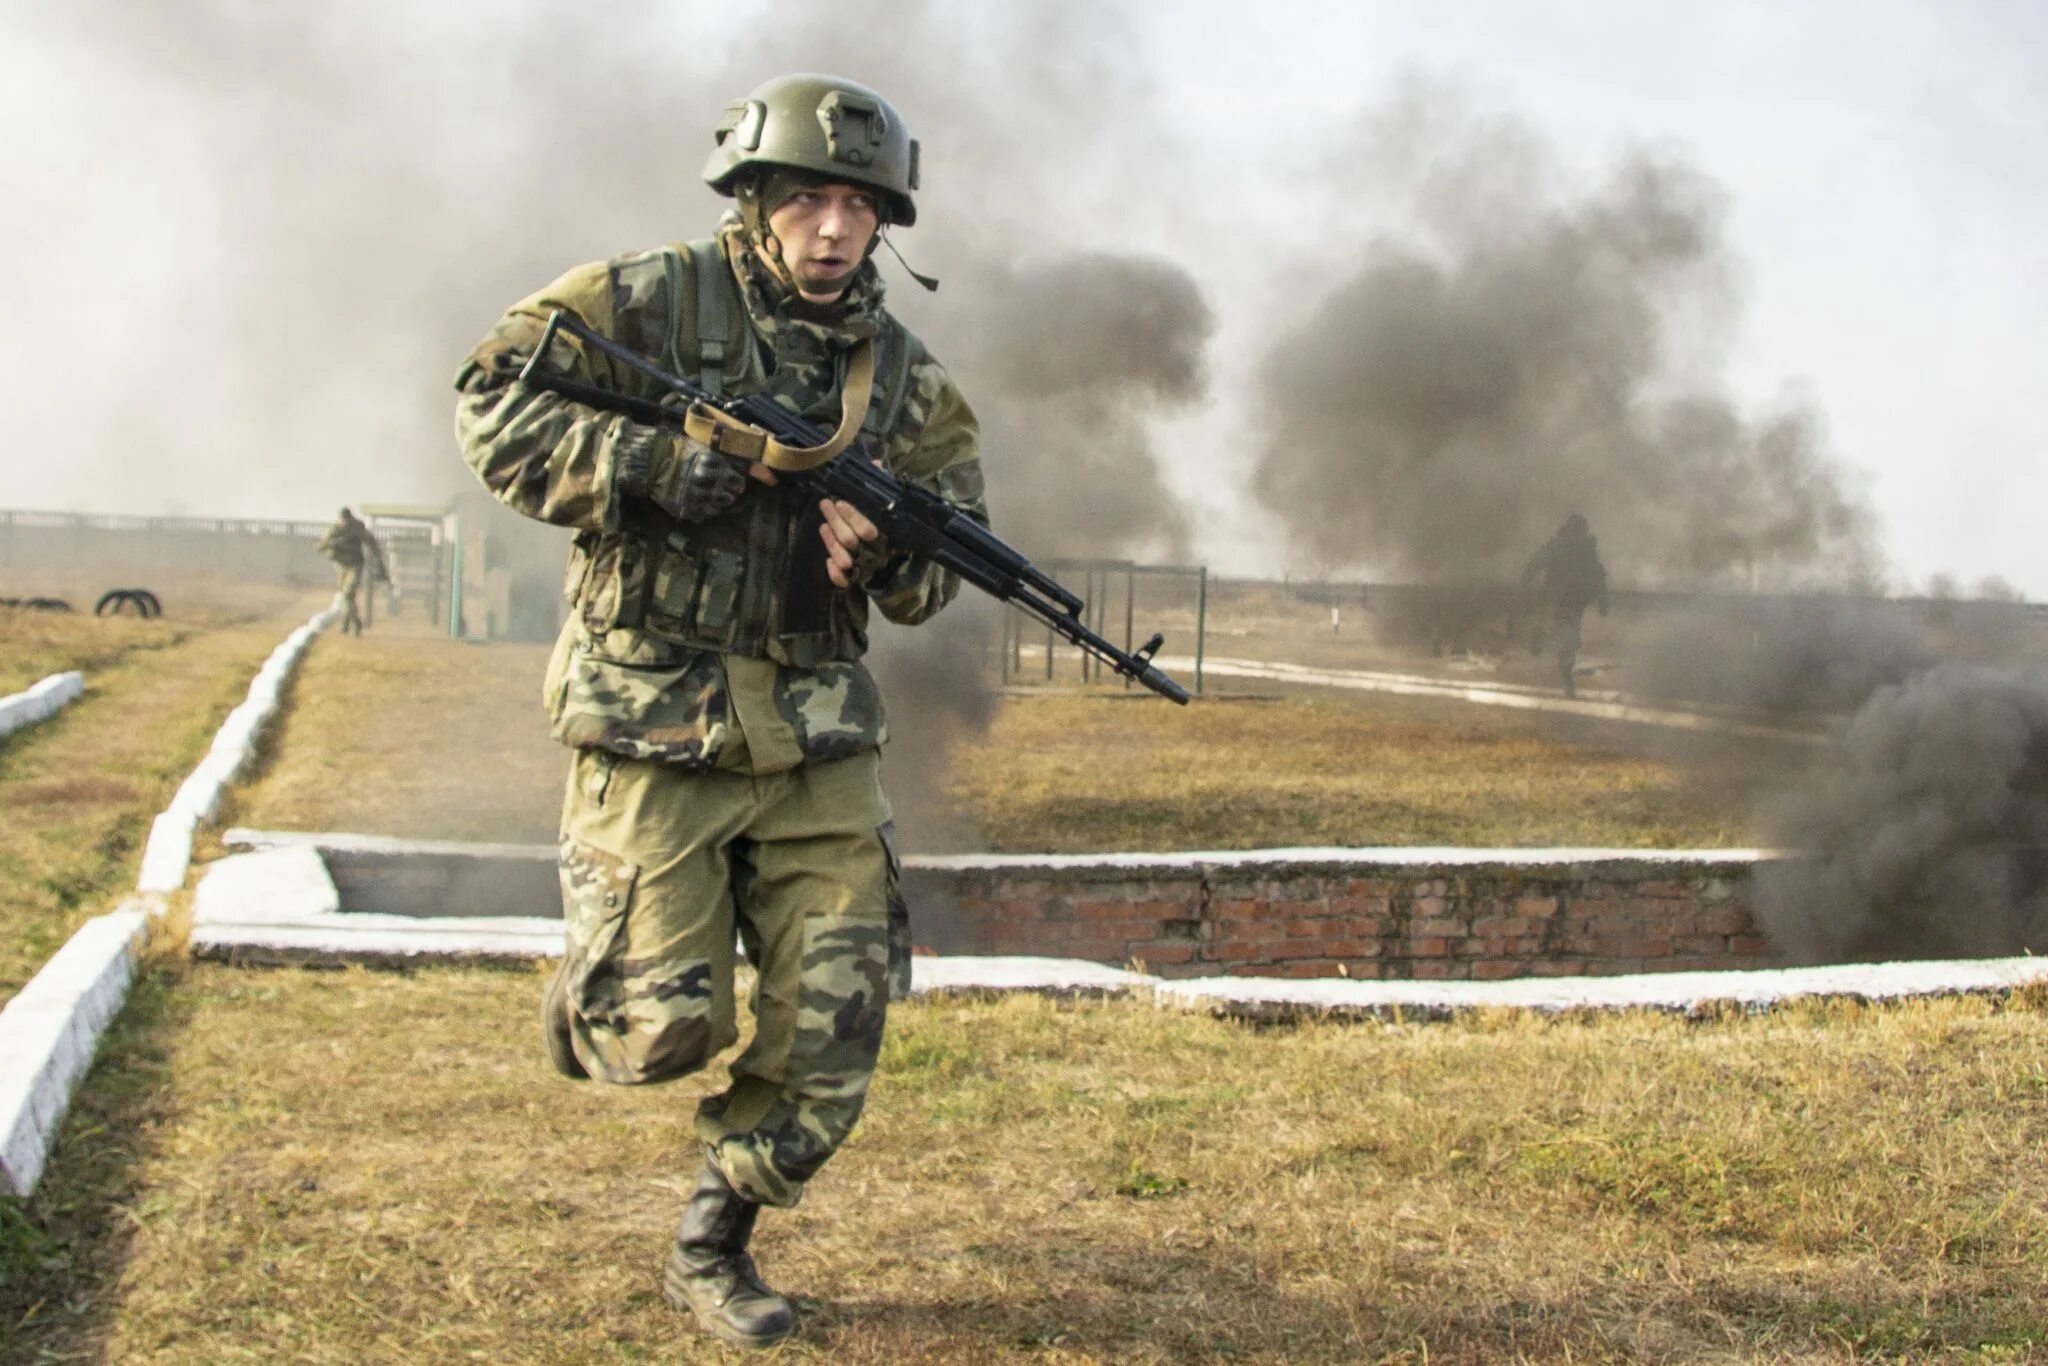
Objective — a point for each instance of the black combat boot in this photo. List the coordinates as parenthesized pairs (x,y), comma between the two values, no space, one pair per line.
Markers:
(554,1025)
(711,1274)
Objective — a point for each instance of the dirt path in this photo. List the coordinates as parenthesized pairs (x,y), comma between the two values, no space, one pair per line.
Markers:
(406,732)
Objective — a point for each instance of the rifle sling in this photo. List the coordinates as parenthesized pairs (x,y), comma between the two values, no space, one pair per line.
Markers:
(723,432)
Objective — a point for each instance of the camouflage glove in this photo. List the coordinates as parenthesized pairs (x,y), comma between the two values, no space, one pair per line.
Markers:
(684,478)
(871,559)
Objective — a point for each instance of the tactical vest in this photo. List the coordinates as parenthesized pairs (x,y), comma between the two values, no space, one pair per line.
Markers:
(732,583)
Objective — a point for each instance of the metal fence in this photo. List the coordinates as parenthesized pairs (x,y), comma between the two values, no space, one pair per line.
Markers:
(1115,594)
(111,521)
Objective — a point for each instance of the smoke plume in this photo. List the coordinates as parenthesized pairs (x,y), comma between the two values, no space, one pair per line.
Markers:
(1522,348)
(1785,656)
(1924,834)
(1086,350)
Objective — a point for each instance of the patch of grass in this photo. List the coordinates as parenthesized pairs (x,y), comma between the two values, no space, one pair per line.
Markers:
(80,789)
(34,645)
(1081,774)
(352,1166)
(401,732)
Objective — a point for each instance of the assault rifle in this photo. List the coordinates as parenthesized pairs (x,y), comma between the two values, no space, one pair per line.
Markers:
(912,519)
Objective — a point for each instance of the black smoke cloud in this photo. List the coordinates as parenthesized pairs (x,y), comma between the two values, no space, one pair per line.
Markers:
(1924,834)
(1090,348)
(1784,656)
(1518,348)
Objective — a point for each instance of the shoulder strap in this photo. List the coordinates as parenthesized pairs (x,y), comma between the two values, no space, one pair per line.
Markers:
(714,321)
(893,370)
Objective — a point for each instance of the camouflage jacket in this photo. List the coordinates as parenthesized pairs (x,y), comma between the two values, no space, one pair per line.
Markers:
(673,652)
(351,545)
(1568,573)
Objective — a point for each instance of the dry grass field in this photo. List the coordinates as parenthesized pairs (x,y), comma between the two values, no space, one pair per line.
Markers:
(1081,774)
(77,793)
(407,734)
(361,1167)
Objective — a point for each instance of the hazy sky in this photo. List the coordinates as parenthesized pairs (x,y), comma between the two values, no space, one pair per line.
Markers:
(1885,167)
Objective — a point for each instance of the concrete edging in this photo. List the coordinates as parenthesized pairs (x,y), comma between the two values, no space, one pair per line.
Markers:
(50,1032)
(278,905)
(168,856)
(40,701)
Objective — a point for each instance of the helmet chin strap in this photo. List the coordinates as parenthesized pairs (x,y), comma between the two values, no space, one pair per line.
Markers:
(767,245)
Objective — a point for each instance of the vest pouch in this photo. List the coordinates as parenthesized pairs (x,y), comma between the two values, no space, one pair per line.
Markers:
(718,602)
(676,579)
(600,590)
(577,570)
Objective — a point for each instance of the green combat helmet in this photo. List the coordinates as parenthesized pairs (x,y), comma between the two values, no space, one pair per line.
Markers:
(822,124)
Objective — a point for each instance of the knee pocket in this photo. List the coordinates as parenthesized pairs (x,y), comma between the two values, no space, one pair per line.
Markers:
(844,998)
(634,1020)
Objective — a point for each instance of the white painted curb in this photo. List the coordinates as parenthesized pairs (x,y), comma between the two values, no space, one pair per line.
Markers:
(964,975)
(50,1032)
(1682,992)
(40,702)
(168,856)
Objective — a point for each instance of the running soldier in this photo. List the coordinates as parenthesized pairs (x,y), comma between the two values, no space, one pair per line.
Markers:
(726,775)
(1569,578)
(354,550)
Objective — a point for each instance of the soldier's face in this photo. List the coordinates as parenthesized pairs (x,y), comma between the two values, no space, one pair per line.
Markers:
(825,232)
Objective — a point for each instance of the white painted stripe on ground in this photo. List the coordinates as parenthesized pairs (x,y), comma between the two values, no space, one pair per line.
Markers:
(50,1032)
(167,858)
(1409,685)
(40,701)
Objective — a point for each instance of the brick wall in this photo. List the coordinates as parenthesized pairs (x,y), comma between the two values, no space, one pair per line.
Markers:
(1430,914)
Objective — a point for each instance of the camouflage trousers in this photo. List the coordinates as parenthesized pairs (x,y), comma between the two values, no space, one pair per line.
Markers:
(351,590)
(1565,635)
(663,869)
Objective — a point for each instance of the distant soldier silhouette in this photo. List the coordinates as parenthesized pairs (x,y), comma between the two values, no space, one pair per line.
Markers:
(353,549)
(1568,578)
